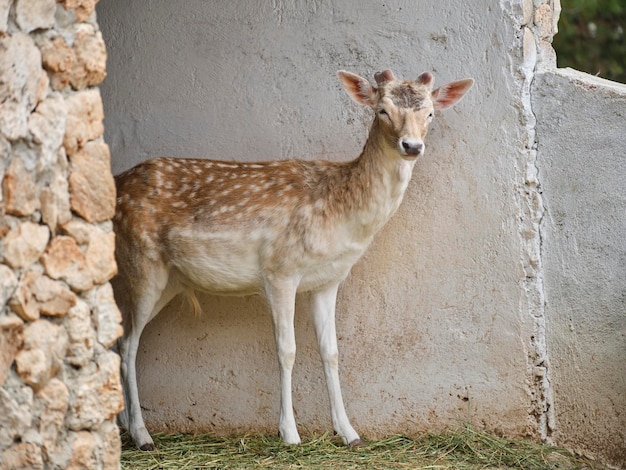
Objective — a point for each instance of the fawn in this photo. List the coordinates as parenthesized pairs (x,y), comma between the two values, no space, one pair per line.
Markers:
(273,228)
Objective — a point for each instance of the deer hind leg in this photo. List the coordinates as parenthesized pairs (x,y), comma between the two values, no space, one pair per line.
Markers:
(281,296)
(323,310)
(152,293)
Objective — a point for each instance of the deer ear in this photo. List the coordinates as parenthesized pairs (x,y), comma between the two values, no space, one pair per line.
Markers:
(359,89)
(451,93)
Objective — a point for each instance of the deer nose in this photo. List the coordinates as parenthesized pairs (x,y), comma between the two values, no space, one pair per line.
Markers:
(411,146)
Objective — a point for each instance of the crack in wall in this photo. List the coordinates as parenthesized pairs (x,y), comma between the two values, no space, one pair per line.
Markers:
(534,21)
(533,211)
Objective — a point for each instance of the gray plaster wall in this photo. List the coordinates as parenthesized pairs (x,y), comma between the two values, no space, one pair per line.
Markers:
(444,319)
(581,135)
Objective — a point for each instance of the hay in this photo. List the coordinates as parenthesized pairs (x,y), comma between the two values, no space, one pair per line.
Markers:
(464,448)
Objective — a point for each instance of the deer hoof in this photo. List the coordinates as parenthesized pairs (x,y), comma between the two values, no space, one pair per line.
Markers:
(148,447)
(356,443)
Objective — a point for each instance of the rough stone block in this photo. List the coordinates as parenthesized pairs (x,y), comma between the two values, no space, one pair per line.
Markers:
(8,284)
(34,14)
(33,367)
(100,257)
(89,69)
(84,119)
(81,334)
(56,55)
(19,190)
(83,452)
(527,11)
(55,198)
(47,125)
(22,456)
(11,339)
(64,260)
(543,19)
(45,346)
(38,295)
(107,316)
(24,244)
(53,297)
(82,8)
(58,59)
(96,397)
(15,414)
(92,188)
(48,208)
(110,445)
(52,403)
(23,83)
(79,230)
(23,301)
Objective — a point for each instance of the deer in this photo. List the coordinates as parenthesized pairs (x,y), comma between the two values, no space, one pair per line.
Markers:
(270,228)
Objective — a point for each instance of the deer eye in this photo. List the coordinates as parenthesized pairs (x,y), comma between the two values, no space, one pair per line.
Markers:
(383,112)
(430,115)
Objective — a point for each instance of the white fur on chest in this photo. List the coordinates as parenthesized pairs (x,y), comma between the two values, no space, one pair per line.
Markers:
(394,183)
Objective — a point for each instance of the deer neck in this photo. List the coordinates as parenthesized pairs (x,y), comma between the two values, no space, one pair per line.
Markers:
(379,180)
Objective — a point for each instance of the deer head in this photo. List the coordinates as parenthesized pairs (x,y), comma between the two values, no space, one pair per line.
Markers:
(404,109)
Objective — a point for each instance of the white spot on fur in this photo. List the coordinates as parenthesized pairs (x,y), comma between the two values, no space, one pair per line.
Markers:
(226,165)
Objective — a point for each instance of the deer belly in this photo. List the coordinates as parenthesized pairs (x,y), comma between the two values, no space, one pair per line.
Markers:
(218,264)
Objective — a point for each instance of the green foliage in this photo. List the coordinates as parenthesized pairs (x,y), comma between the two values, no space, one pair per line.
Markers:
(592,37)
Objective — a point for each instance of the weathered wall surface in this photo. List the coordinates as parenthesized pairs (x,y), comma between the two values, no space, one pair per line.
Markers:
(59,384)
(580,133)
(434,322)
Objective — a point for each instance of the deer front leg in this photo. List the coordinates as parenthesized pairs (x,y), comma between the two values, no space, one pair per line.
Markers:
(281,296)
(323,310)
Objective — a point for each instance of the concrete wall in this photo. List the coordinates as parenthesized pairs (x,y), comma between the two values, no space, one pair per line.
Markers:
(580,133)
(444,319)
(433,323)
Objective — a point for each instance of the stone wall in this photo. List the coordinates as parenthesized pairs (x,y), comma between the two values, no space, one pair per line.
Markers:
(60,387)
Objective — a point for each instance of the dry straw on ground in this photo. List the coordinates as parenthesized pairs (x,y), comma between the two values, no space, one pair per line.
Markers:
(464,448)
